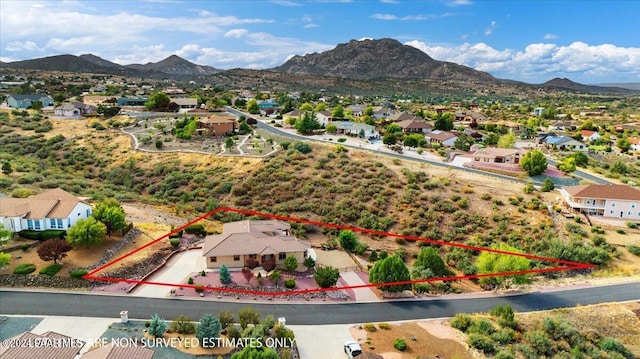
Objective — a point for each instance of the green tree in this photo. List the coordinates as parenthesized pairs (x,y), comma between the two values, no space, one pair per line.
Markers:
(507,140)
(225,275)
(338,112)
(534,162)
(36,105)
(443,122)
(157,326)
(332,129)
(321,106)
(390,270)
(6,168)
(368,111)
(490,262)
(430,259)
(5,234)
(624,145)
(547,185)
(582,160)
(111,214)
(159,144)
(208,329)
(5,259)
(567,165)
(463,142)
(248,316)
(348,240)
(228,143)
(389,139)
(327,276)
(306,107)
(157,100)
(392,128)
(252,107)
(53,249)
(86,233)
(291,263)
(307,124)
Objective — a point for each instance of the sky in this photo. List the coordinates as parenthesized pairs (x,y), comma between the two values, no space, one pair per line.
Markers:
(532,41)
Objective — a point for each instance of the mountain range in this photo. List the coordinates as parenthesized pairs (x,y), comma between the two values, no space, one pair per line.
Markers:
(385,62)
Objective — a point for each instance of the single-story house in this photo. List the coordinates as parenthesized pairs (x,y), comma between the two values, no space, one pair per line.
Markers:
(356,110)
(323,117)
(51,209)
(588,135)
(26,101)
(30,349)
(538,111)
(132,101)
(563,126)
(467,117)
(607,200)
(401,116)
(445,138)
(185,103)
(357,129)
(218,125)
(261,240)
(635,143)
(499,155)
(565,143)
(415,125)
(74,109)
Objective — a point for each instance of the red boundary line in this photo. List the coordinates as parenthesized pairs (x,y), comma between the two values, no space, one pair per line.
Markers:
(566,265)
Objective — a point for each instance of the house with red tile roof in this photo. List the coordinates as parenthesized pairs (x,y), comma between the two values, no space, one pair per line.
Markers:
(51,209)
(607,200)
(260,240)
(588,135)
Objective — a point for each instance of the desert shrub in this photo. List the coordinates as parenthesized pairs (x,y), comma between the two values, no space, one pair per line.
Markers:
(461,321)
(634,249)
(183,325)
(539,341)
(632,225)
(199,288)
(576,229)
(597,230)
(285,145)
(486,196)
(558,329)
(503,354)
(302,147)
(197,229)
(481,326)
(25,247)
(51,270)
(613,346)
(290,283)
(370,327)
(400,344)
(620,231)
(505,315)
(175,242)
(78,273)
(225,317)
(24,268)
(384,326)
(504,336)
(233,332)
(482,342)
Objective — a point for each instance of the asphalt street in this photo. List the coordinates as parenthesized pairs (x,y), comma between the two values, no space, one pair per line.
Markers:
(101,305)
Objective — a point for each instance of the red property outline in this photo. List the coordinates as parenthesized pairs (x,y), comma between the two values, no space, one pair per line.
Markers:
(564,264)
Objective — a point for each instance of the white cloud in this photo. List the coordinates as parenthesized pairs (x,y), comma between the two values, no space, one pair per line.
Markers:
(310,26)
(143,54)
(286,3)
(389,1)
(384,17)
(455,3)
(417,17)
(23,46)
(236,33)
(488,31)
(550,37)
(580,61)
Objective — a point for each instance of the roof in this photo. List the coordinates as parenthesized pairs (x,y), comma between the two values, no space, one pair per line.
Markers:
(35,97)
(634,140)
(604,191)
(474,115)
(68,351)
(185,101)
(401,116)
(75,105)
(587,133)
(492,152)
(53,203)
(558,140)
(218,119)
(253,237)
(415,123)
(111,351)
(441,135)
(355,126)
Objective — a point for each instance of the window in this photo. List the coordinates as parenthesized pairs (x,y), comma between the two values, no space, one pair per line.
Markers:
(236,258)
(253,256)
(304,254)
(36,223)
(52,223)
(68,222)
(60,223)
(629,213)
(282,255)
(213,259)
(29,224)
(613,204)
(633,205)
(88,212)
(611,212)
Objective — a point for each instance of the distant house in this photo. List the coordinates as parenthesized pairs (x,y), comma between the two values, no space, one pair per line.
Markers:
(74,109)
(538,111)
(562,126)
(565,143)
(51,209)
(589,136)
(132,101)
(415,125)
(401,116)
(499,155)
(356,129)
(30,349)
(356,110)
(635,143)
(323,117)
(267,107)
(607,200)
(218,125)
(26,101)
(261,240)
(185,103)
(467,117)
(445,138)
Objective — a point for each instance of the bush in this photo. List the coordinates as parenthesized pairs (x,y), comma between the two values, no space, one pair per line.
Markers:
(384,326)
(290,283)
(613,346)
(190,280)
(504,336)
(503,354)
(175,242)
(400,344)
(462,322)
(42,235)
(24,269)
(51,270)
(197,229)
(302,147)
(539,342)
(183,325)
(482,326)
(78,273)
(370,327)
(632,225)
(285,145)
(635,250)
(620,231)
(482,342)
(25,247)
(326,277)
(199,288)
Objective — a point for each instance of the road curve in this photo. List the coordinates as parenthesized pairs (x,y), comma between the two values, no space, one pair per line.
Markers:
(19,302)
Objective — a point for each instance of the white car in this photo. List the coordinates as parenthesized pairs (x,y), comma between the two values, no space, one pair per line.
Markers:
(352,349)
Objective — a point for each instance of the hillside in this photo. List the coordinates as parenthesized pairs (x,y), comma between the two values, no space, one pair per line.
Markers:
(566,84)
(384,58)
(175,65)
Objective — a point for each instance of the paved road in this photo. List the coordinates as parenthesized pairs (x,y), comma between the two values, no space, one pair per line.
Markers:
(93,305)
(583,175)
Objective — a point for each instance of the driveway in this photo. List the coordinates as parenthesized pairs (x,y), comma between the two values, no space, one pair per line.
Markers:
(321,342)
(179,267)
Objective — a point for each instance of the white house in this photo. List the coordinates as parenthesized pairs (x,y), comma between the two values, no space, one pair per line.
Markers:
(607,200)
(51,209)
(588,135)
(74,109)
(357,129)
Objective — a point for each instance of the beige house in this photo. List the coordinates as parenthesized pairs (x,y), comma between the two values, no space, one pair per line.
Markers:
(499,155)
(607,200)
(263,240)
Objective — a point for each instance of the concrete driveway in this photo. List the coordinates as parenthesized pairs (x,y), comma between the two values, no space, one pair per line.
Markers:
(321,341)
(179,267)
